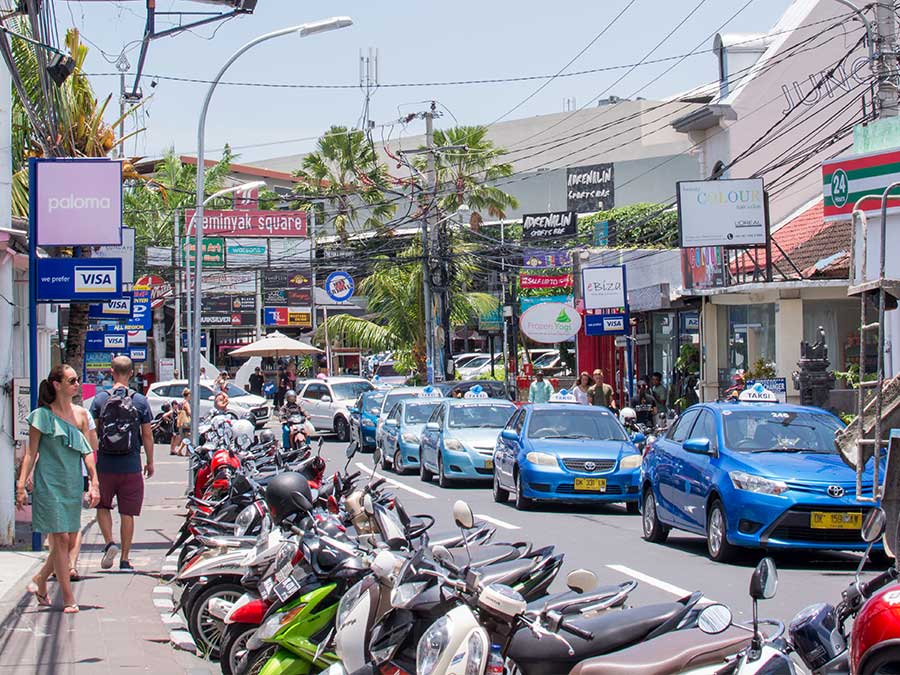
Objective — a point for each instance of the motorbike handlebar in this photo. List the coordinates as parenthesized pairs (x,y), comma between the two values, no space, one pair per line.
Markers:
(576,631)
(377,484)
(871,587)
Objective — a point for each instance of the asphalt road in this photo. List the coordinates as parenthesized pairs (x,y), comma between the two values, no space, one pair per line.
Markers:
(608,541)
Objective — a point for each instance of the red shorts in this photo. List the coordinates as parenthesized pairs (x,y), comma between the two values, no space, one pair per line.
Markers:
(128,490)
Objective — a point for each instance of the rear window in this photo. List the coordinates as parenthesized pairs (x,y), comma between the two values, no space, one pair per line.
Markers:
(479,416)
(387,370)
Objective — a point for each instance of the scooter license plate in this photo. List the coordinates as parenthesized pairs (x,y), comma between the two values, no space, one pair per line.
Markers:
(829,520)
(286,589)
(284,572)
(266,586)
(591,484)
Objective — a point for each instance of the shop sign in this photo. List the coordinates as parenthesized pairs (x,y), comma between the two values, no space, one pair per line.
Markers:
(97,360)
(776,385)
(849,178)
(77,202)
(339,286)
(125,253)
(160,289)
(689,323)
(137,337)
(118,308)
(526,303)
(158,256)
(590,188)
(288,253)
(703,267)
(226,304)
(491,322)
(241,223)
(246,252)
(185,340)
(138,354)
(233,320)
(229,282)
(287,316)
(549,225)
(607,323)
(537,259)
(604,287)
(165,369)
(727,212)
(106,341)
(281,288)
(540,281)
(213,252)
(550,322)
(78,279)
(22,408)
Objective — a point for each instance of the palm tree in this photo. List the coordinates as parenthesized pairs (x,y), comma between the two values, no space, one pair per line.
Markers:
(344,176)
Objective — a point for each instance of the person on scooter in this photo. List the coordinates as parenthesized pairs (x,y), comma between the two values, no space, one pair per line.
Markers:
(291,407)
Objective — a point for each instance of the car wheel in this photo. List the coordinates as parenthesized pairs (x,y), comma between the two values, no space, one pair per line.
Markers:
(501,496)
(716,538)
(651,529)
(443,481)
(398,462)
(523,503)
(632,508)
(385,462)
(342,429)
(424,474)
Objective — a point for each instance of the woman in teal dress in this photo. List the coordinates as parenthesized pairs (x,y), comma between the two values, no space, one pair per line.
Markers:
(59,439)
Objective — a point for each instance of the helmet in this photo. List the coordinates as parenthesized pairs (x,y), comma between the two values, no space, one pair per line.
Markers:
(288,493)
(266,437)
(627,414)
(291,395)
(244,433)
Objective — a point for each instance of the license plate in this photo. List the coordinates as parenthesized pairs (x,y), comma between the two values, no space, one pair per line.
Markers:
(284,571)
(488,464)
(822,520)
(286,589)
(266,586)
(591,484)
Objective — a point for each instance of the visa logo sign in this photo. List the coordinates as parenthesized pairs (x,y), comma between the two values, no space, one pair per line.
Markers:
(114,342)
(122,306)
(614,323)
(96,280)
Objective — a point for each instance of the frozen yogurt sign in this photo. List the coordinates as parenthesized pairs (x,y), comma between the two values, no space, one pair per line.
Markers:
(550,322)
(252,223)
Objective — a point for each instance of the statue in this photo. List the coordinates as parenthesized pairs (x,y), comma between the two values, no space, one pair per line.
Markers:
(814,381)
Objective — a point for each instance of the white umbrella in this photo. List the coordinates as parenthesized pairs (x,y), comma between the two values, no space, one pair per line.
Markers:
(276,344)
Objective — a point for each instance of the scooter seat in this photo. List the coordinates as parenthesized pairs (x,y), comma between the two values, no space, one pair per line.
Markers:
(449,538)
(670,653)
(574,601)
(507,572)
(478,556)
(611,630)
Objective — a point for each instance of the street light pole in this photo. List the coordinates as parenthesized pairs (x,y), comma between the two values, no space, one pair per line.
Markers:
(303,30)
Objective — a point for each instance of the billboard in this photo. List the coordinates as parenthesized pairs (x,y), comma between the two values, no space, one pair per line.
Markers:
(252,223)
(728,212)
(78,279)
(77,202)
(247,252)
(549,225)
(590,188)
(605,294)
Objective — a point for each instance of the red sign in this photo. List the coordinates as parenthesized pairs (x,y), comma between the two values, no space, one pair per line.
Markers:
(537,281)
(252,223)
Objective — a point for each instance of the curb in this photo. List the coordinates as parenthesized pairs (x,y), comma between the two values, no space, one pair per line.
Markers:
(163,600)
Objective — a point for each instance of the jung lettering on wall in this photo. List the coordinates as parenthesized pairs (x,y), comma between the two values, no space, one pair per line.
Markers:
(722,212)
(590,188)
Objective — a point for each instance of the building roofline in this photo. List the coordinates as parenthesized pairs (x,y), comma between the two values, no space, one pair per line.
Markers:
(244,168)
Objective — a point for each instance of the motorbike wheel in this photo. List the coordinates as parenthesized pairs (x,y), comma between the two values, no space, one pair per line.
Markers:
(424,474)
(651,529)
(253,661)
(716,540)
(501,496)
(206,630)
(234,645)
(398,462)
(443,481)
(342,429)
(523,503)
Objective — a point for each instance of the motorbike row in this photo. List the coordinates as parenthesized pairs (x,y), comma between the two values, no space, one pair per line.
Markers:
(285,568)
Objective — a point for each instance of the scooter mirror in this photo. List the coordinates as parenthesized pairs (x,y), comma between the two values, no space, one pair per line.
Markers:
(442,554)
(368,505)
(582,581)
(764,582)
(300,501)
(873,525)
(351,449)
(714,619)
(462,515)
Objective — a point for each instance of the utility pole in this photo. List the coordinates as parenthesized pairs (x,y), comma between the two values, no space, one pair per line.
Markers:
(886,59)
(437,337)
(123,67)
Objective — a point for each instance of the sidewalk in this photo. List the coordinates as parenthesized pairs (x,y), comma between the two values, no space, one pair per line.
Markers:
(119,628)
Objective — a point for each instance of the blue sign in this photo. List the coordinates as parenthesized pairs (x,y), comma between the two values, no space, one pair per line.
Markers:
(78,279)
(106,341)
(689,322)
(339,286)
(120,308)
(138,354)
(527,302)
(185,340)
(606,324)
(141,316)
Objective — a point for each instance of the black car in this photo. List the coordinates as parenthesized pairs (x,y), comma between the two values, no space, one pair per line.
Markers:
(493,388)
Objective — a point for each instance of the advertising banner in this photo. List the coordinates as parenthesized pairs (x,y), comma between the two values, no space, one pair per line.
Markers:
(111,309)
(125,253)
(138,354)
(213,252)
(229,282)
(540,281)
(549,225)
(846,179)
(526,302)
(537,259)
(491,322)
(689,323)
(165,369)
(550,322)
(607,323)
(729,212)
(252,223)
(590,188)
(247,252)
(78,202)
(106,341)
(289,253)
(300,317)
(21,409)
(233,320)
(78,279)
(703,267)
(283,289)
(141,317)
(158,256)
(604,287)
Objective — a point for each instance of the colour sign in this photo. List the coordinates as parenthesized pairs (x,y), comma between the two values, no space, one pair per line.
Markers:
(78,279)
(847,179)
(77,202)
(252,223)
(721,212)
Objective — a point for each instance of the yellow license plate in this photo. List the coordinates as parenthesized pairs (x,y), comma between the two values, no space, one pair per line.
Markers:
(591,484)
(488,464)
(819,520)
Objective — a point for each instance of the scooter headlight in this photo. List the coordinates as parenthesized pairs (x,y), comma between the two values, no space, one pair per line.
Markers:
(431,646)
(275,623)
(244,520)
(349,599)
(477,653)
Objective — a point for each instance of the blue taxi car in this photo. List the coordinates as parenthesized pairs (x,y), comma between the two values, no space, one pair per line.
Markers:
(402,429)
(459,438)
(752,474)
(565,452)
(364,418)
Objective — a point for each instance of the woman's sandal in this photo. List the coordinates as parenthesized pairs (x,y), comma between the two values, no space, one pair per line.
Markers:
(71,609)
(43,599)
(73,574)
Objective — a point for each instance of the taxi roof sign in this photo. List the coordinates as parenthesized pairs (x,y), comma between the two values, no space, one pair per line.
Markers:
(431,392)
(476,392)
(563,396)
(757,394)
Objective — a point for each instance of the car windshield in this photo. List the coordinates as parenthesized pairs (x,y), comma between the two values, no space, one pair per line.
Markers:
(479,416)
(345,390)
(418,413)
(477,362)
(393,399)
(387,370)
(544,361)
(583,424)
(372,402)
(234,391)
(780,431)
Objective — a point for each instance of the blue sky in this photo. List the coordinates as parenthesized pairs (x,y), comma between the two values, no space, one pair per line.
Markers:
(417,42)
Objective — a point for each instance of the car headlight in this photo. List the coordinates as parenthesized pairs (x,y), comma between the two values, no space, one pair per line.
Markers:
(453,444)
(367,423)
(431,646)
(244,520)
(766,486)
(348,600)
(410,438)
(630,462)
(541,458)
(403,594)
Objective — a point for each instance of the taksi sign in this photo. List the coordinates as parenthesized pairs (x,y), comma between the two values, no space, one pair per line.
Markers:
(550,322)
(78,279)
(721,212)
(339,286)
(846,180)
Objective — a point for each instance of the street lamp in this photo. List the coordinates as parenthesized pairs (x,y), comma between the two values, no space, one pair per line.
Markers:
(303,30)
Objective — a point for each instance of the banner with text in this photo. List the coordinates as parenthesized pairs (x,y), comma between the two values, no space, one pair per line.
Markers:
(252,223)
(590,188)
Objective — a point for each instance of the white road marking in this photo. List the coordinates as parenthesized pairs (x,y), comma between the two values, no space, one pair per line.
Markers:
(653,581)
(390,481)
(497,522)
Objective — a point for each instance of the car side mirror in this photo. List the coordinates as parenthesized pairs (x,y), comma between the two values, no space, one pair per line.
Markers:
(509,435)
(326,399)
(764,582)
(638,437)
(433,426)
(391,423)
(698,446)
(462,515)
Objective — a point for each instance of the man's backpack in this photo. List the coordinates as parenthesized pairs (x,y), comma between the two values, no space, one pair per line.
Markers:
(119,423)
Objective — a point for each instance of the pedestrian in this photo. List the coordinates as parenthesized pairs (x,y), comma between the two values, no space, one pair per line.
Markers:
(283,386)
(202,373)
(601,393)
(220,404)
(59,439)
(292,375)
(222,382)
(540,391)
(182,423)
(581,389)
(322,374)
(123,419)
(256,382)
(660,393)
(644,405)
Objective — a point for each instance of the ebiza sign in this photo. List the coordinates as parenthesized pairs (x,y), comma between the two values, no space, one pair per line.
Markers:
(77,202)
(550,322)
(252,223)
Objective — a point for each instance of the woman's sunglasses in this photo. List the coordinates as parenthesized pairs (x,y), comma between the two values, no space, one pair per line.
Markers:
(72,380)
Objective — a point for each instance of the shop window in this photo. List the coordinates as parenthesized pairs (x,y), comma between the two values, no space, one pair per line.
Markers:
(746,334)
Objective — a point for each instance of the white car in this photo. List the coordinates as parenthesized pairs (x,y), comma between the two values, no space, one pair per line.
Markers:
(480,365)
(327,401)
(240,401)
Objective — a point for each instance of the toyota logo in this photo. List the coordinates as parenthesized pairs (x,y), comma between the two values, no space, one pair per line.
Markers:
(835,491)
(589,466)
